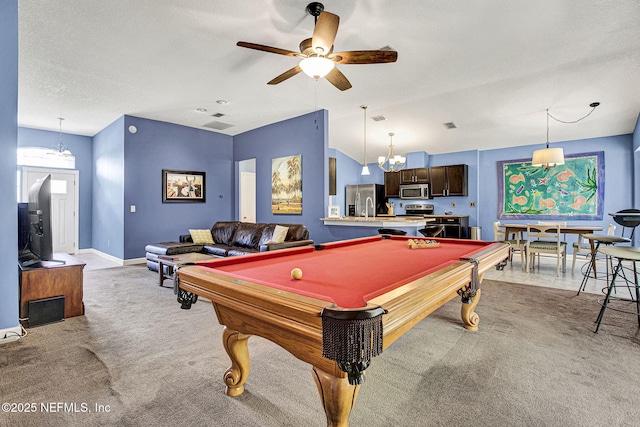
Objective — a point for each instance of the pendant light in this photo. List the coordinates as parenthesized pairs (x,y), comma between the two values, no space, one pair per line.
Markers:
(550,157)
(365,168)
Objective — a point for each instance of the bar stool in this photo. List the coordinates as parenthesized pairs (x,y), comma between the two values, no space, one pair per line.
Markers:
(622,253)
(431,230)
(595,240)
(391,231)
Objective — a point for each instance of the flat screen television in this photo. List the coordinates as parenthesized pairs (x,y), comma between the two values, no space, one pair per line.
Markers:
(40,237)
(23,227)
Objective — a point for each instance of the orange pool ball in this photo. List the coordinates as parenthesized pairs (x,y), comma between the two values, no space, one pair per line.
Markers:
(296,273)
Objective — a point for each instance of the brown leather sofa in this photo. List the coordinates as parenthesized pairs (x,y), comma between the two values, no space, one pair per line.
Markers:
(231,238)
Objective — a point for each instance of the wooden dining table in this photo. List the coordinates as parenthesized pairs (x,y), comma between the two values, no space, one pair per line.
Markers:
(514,229)
(510,229)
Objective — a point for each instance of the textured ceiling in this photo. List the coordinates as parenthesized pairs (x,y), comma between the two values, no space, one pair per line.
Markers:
(491,67)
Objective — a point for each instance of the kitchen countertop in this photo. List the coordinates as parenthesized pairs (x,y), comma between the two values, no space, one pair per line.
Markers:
(378,221)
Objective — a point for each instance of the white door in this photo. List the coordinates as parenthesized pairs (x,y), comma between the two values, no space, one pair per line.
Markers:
(64,204)
(247,197)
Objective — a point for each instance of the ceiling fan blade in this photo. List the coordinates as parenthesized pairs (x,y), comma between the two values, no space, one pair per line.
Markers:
(365,57)
(268,49)
(284,76)
(325,33)
(336,78)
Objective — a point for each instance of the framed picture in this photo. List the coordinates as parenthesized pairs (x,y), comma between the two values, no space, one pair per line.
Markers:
(334,211)
(183,186)
(573,191)
(286,185)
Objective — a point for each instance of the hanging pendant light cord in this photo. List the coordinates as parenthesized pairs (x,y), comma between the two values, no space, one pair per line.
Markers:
(593,106)
(548,127)
(364,108)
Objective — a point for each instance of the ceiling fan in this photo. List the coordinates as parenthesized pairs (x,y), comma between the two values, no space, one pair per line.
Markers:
(318,59)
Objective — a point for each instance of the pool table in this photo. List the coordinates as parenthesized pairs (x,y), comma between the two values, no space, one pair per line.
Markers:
(355,298)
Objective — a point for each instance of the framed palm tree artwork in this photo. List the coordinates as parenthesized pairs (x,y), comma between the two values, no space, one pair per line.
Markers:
(286,185)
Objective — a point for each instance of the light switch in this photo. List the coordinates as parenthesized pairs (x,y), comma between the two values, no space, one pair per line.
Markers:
(133,208)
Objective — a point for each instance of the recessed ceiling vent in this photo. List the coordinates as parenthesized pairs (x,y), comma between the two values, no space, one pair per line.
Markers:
(450,125)
(378,118)
(217,125)
(217,115)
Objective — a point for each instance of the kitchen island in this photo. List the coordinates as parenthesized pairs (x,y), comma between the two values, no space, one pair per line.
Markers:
(410,224)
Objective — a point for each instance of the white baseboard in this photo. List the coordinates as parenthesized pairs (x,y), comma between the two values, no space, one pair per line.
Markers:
(119,261)
(10,334)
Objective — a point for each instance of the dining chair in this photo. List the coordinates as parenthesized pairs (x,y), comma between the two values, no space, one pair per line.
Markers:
(517,244)
(545,239)
(560,223)
(582,246)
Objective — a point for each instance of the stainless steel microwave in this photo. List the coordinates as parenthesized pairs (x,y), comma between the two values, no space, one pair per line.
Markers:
(414,191)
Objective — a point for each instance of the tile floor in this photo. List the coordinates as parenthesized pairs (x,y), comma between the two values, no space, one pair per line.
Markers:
(545,274)
(94,261)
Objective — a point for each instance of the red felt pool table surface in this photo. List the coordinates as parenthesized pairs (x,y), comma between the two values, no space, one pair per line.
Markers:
(347,273)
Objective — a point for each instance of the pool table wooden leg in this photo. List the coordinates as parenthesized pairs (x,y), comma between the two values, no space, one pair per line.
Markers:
(236,345)
(469,316)
(338,397)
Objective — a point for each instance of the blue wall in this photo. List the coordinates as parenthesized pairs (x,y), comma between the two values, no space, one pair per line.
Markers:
(82,149)
(107,231)
(128,172)
(305,135)
(159,145)
(8,145)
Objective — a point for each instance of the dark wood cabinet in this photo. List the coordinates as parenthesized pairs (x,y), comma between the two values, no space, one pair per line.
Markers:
(392,184)
(455,226)
(448,180)
(414,176)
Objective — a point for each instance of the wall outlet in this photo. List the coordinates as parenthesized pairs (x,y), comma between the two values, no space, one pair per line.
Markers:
(472,204)
(453,204)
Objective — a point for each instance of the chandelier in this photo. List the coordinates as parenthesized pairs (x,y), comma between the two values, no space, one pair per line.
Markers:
(60,149)
(394,161)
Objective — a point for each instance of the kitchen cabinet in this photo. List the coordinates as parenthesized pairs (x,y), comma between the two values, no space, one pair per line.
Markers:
(413,176)
(392,184)
(455,226)
(448,180)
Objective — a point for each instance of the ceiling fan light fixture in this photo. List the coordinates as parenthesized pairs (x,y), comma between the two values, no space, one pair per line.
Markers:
(316,66)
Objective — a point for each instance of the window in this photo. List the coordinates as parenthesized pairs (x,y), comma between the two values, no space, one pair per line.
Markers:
(45,157)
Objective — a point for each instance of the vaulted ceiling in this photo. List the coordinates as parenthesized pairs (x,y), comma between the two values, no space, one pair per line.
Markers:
(492,67)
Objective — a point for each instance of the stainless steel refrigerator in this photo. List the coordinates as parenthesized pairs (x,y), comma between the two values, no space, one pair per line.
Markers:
(356,198)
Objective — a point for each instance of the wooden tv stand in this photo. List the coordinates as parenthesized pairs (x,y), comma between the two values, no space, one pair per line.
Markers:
(53,279)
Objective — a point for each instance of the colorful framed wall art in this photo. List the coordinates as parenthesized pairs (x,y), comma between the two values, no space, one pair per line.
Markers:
(573,191)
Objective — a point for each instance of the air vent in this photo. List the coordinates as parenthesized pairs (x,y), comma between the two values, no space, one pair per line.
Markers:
(378,118)
(217,125)
(217,115)
(450,125)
